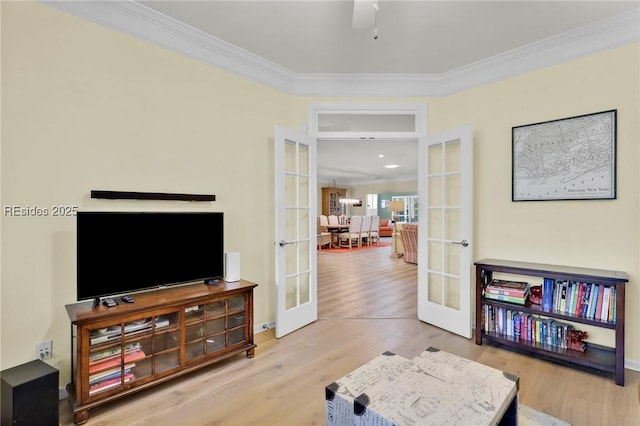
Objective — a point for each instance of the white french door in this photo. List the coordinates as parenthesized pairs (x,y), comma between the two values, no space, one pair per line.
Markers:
(445,191)
(296,230)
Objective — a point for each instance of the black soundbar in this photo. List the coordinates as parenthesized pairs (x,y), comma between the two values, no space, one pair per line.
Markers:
(129,195)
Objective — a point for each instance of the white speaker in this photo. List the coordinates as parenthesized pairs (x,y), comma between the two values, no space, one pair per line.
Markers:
(232,266)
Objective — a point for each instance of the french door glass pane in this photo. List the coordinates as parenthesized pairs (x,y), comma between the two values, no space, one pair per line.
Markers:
(452,157)
(434,288)
(452,288)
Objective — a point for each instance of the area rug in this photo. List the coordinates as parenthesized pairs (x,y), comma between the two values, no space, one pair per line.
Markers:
(381,244)
(528,416)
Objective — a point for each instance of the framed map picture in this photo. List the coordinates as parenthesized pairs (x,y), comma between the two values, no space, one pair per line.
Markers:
(568,159)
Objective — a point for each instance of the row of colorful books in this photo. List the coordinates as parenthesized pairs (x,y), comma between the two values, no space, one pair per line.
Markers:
(108,354)
(526,327)
(106,369)
(110,383)
(116,361)
(586,300)
(517,292)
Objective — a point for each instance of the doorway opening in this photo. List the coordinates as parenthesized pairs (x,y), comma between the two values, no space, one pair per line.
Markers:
(375,134)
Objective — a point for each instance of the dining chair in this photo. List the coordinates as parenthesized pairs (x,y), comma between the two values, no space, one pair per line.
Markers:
(333,220)
(374,234)
(324,222)
(346,238)
(323,237)
(365,230)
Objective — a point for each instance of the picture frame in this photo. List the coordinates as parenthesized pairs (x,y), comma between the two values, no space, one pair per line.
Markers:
(571,158)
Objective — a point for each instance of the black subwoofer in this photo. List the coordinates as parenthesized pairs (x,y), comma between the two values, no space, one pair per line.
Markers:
(29,395)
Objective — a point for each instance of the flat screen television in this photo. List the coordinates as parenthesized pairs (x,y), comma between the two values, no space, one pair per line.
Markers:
(126,252)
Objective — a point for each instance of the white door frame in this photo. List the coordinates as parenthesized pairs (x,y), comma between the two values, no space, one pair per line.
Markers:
(420,133)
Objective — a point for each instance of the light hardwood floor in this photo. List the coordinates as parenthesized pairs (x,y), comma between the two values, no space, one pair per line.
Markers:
(362,313)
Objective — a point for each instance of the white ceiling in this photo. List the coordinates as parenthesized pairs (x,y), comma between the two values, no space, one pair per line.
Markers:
(415,37)
(352,162)
(426,48)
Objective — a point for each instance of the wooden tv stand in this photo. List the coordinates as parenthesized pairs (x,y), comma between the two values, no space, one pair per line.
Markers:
(162,335)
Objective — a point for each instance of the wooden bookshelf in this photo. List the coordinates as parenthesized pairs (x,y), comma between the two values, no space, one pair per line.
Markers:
(598,357)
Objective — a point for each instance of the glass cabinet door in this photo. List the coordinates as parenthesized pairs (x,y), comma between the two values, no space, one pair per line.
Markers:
(132,351)
(166,342)
(214,327)
(236,321)
(112,357)
(194,332)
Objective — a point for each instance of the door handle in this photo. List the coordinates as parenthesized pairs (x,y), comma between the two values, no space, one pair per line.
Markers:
(284,243)
(463,243)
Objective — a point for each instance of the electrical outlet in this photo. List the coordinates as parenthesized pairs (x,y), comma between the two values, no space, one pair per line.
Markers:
(44,350)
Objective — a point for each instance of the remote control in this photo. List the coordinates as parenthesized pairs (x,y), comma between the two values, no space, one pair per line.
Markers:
(108,302)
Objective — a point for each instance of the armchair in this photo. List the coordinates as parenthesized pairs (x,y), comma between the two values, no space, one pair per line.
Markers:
(324,237)
(409,236)
(386,228)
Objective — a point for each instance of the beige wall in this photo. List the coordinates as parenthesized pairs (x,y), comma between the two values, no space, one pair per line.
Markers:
(599,234)
(88,108)
(85,108)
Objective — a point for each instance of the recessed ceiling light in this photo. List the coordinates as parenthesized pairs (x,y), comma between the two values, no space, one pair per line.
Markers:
(391,166)
(381,156)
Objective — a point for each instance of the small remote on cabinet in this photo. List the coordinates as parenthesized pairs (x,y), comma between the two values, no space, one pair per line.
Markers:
(108,302)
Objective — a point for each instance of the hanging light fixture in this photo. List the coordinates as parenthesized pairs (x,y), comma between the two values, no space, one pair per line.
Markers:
(376,8)
(351,201)
(365,15)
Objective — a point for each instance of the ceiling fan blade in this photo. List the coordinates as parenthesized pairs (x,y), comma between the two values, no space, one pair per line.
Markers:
(364,14)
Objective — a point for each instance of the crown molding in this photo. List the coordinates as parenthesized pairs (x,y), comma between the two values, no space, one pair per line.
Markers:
(145,23)
(617,31)
(142,22)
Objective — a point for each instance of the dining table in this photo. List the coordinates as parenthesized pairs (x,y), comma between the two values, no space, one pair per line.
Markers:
(335,230)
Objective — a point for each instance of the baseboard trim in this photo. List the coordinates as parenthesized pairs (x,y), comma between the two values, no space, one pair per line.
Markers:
(264,327)
(632,364)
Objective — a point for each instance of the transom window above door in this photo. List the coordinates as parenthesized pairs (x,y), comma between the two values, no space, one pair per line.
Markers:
(367,121)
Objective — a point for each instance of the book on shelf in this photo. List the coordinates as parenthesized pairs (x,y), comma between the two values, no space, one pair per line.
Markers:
(547,294)
(504,298)
(563,296)
(513,293)
(577,307)
(612,309)
(570,291)
(598,311)
(604,314)
(103,355)
(116,362)
(109,374)
(510,288)
(108,384)
(594,302)
(585,300)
